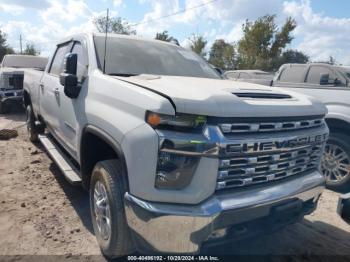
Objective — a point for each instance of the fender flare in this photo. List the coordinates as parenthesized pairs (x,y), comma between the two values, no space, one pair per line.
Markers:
(107,138)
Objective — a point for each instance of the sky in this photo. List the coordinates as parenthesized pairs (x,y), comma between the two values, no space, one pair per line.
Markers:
(323,26)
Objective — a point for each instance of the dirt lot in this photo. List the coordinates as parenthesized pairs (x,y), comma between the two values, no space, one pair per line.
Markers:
(41,214)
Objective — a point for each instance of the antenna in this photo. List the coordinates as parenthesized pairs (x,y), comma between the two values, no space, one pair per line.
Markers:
(20,42)
(104,57)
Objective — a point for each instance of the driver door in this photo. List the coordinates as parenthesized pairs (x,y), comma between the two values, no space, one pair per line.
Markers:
(50,95)
(70,109)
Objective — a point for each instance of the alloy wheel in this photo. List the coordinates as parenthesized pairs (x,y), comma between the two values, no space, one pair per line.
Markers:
(102,211)
(335,163)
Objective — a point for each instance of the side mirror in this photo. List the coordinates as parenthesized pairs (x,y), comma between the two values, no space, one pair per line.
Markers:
(324,79)
(70,83)
(69,77)
(70,64)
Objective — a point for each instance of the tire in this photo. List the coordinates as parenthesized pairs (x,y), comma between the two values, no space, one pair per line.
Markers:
(336,162)
(4,108)
(118,242)
(32,130)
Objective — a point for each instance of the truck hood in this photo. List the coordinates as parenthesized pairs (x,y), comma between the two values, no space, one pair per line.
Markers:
(217,97)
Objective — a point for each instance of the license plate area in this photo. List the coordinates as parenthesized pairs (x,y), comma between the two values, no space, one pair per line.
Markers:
(285,212)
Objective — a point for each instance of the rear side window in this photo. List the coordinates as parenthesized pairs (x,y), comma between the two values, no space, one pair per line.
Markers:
(293,74)
(57,63)
(314,75)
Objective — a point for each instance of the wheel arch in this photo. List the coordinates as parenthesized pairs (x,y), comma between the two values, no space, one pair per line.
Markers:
(26,98)
(339,125)
(97,145)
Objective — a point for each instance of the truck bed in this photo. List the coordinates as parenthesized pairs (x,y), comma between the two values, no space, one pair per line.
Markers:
(31,83)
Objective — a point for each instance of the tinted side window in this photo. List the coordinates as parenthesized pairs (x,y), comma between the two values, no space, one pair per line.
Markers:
(57,63)
(293,74)
(82,60)
(314,75)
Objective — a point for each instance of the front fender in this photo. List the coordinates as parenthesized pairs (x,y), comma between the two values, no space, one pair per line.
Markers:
(338,111)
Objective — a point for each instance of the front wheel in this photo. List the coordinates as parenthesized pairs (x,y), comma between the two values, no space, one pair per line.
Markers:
(107,189)
(336,162)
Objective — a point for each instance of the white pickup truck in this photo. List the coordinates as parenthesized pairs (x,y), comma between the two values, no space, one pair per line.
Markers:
(331,85)
(11,77)
(173,156)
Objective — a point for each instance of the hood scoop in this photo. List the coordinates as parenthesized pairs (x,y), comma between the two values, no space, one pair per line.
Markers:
(262,95)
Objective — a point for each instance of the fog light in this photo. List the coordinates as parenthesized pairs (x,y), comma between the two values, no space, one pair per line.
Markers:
(175,171)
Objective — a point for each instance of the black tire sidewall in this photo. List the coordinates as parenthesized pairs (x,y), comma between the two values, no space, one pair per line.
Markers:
(30,119)
(109,180)
(343,141)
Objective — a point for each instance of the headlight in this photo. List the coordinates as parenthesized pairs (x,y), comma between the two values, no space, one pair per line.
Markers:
(174,171)
(181,121)
(179,152)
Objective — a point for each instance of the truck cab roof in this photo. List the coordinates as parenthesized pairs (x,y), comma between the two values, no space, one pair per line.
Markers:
(24,61)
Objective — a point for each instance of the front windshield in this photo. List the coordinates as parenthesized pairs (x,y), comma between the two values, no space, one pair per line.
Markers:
(127,56)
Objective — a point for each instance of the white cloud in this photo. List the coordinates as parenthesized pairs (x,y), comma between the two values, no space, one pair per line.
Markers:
(36,4)
(234,35)
(69,12)
(117,2)
(229,11)
(151,24)
(321,36)
(11,9)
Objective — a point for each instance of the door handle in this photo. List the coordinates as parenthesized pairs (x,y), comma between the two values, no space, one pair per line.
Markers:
(57,92)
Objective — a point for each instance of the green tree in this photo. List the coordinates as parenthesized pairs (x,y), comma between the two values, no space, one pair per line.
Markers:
(115,25)
(4,48)
(198,44)
(262,43)
(293,57)
(164,36)
(31,50)
(222,55)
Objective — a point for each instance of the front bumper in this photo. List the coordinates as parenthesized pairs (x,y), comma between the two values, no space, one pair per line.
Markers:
(174,228)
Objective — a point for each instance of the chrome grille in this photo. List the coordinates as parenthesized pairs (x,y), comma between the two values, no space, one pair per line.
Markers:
(269,127)
(239,171)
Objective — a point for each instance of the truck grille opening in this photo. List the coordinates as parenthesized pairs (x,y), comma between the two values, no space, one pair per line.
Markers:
(239,171)
(269,127)
(16,81)
(13,81)
(263,95)
(249,156)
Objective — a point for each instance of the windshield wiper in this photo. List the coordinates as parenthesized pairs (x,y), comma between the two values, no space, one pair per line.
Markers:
(122,74)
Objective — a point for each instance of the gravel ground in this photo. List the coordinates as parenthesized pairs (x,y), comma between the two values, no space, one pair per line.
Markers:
(41,214)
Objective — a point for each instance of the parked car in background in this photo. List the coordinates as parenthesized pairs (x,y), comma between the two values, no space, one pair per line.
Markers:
(329,84)
(173,155)
(250,76)
(11,77)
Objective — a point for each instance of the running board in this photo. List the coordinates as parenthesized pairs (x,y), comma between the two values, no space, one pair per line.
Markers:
(64,164)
